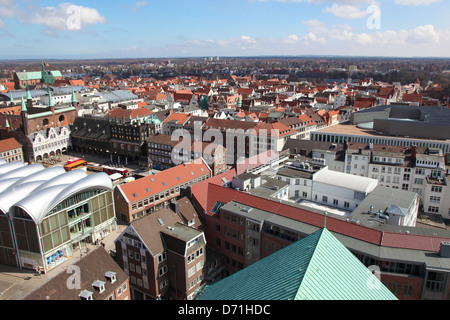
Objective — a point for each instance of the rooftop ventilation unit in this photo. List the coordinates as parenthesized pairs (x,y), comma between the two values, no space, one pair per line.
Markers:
(445,249)
(86,295)
(111,276)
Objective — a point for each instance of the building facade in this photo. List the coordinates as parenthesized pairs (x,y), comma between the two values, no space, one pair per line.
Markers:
(11,150)
(246,229)
(52,214)
(154,192)
(163,257)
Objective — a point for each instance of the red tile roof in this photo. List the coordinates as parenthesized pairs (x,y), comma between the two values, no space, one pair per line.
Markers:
(9,144)
(200,190)
(412,241)
(225,195)
(385,239)
(120,113)
(180,118)
(169,178)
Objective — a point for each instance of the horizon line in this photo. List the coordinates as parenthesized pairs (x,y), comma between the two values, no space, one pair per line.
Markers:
(223,57)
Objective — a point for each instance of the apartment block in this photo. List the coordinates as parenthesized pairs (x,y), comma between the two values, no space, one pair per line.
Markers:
(163,257)
(154,192)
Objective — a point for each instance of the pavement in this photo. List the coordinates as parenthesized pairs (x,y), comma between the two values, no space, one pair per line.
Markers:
(16,283)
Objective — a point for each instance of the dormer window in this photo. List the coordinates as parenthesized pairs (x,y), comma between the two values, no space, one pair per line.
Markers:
(99,285)
(86,295)
(111,276)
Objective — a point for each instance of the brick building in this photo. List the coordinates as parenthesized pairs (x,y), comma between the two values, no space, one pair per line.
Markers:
(413,262)
(154,192)
(11,150)
(163,257)
(43,131)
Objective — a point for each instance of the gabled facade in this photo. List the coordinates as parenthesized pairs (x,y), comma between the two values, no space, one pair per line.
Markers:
(163,257)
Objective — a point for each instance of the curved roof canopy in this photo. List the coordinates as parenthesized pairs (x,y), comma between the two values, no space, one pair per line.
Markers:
(22,171)
(37,209)
(37,190)
(10,166)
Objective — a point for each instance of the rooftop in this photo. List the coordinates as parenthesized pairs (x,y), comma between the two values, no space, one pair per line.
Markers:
(309,269)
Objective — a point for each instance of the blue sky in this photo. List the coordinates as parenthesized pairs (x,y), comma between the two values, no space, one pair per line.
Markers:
(181,28)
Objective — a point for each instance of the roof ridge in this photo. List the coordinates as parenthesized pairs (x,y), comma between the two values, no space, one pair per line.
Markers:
(320,235)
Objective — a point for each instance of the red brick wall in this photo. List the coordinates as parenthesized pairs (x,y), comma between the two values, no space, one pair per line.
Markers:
(403,280)
(37,124)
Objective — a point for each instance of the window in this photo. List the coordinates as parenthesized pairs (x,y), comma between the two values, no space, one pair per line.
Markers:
(346,204)
(163,284)
(436,189)
(407,290)
(217,207)
(435,199)
(435,281)
(163,271)
(396,288)
(325,199)
(433,209)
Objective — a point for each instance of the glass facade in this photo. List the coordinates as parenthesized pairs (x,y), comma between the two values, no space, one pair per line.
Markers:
(74,220)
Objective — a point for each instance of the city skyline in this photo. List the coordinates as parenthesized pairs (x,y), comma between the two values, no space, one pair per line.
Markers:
(150,29)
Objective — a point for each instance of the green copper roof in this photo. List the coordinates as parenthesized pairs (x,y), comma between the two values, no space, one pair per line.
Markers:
(50,99)
(29,95)
(7,124)
(74,99)
(23,106)
(317,267)
(36,75)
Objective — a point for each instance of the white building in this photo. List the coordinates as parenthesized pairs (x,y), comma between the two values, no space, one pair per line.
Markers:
(420,170)
(50,143)
(340,190)
(327,187)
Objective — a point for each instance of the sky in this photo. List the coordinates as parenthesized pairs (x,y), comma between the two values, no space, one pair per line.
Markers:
(43,29)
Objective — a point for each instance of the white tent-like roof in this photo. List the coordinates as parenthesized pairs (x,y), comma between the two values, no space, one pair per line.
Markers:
(347,181)
(34,205)
(37,190)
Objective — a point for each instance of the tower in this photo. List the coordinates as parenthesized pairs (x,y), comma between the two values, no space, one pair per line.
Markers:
(24,115)
(73,100)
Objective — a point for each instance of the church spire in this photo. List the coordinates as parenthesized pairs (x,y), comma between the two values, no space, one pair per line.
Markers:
(74,99)
(50,100)
(23,106)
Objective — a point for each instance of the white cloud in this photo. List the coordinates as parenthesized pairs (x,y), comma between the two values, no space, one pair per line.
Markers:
(8,8)
(416,2)
(336,39)
(346,11)
(65,16)
(139,5)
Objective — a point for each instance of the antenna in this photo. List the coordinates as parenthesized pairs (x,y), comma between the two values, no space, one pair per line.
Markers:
(325,220)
